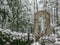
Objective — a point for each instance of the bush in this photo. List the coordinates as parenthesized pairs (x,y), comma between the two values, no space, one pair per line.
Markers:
(7,38)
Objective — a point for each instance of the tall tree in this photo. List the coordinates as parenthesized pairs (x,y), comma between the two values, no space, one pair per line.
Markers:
(3,12)
(57,11)
(19,10)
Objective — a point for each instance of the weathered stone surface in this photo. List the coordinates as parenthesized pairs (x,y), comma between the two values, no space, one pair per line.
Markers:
(37,15)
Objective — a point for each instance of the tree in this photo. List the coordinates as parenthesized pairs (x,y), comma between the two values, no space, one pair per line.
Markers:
(19,9)
(3,12)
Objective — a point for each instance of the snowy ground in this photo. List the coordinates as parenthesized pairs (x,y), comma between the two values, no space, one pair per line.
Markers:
(36,43)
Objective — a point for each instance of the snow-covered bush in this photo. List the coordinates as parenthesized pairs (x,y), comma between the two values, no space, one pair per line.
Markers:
(12,36)
(7,31)
(51,38)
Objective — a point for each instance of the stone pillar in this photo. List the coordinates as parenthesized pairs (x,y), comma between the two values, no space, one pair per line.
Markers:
(48,26)
(36,28)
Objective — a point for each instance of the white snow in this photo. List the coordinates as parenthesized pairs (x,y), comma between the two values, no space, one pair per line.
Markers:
(57,40)
(36,43)
(51,38)
(5,2)
(24,36)
(57,28)
(1,29)
(7,31)
(17,35)
(7,43)
(4,40)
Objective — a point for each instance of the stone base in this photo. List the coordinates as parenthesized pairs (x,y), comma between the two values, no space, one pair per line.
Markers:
(51,44)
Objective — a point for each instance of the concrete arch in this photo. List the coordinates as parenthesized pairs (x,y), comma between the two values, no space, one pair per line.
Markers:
(36,16)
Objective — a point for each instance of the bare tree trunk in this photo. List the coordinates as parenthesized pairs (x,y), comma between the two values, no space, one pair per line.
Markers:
(36,6)
(57,11)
